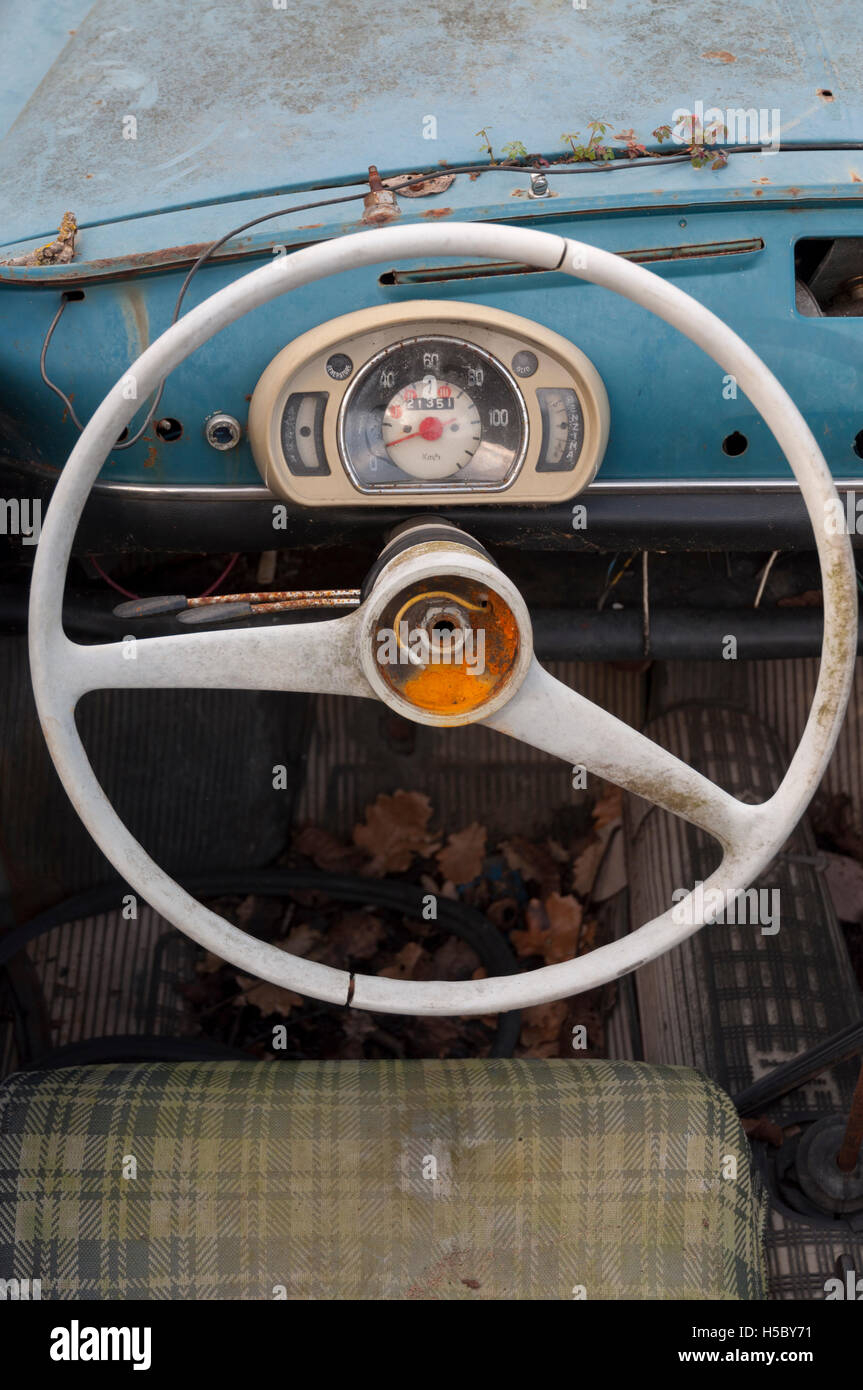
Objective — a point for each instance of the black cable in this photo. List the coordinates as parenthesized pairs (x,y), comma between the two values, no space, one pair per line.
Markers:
(134,1047)
(457,918)
(788,1076)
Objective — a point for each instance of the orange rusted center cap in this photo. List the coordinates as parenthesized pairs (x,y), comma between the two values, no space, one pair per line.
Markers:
(446,646)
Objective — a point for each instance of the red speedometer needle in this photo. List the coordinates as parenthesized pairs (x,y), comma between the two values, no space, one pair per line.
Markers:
(429,429)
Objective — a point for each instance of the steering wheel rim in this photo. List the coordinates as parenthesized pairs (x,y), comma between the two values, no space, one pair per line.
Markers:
(62,670)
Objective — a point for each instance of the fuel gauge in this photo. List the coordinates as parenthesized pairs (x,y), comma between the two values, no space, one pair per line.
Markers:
(562,429)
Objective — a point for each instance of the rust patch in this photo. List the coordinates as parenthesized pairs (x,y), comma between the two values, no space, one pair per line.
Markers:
(759,192)
(855,177)
(795,192)
(450,681)
(437,212)
(136,319)
(144,259)
(152,457)
(722,54)
(825,94)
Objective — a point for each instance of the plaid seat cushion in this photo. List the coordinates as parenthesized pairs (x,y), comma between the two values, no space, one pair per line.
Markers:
(449,1180)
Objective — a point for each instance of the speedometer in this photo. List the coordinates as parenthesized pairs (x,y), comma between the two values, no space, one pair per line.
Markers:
(432,410)
(423,402)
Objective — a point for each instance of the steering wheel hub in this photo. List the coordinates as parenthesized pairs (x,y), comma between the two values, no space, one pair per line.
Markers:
(448,637)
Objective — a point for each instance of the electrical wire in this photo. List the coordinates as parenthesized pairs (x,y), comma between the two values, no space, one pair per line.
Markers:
(127,593)
(439,172)
(206,255)
(620,161)
(222,577)
(765,575)
(454,917)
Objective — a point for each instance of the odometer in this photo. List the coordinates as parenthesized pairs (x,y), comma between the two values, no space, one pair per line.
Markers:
(432,413)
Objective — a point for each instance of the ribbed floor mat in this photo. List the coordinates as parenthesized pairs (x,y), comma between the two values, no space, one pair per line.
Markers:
(105,976)
(780,693)
(470,774)
(190,772)
(734,1001)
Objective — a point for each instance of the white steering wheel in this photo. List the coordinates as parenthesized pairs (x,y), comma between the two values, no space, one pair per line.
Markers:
(520,698)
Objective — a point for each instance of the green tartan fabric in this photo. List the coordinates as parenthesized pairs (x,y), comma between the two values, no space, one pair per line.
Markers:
(438,1179)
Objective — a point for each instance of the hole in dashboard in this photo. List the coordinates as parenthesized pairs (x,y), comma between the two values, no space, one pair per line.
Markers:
(829,277)
(735,444)
(857,446)
(169,429)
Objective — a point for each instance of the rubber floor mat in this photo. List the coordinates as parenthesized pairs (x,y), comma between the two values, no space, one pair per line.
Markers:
(106,976)
(733,1000)
(191,773)
(359,749)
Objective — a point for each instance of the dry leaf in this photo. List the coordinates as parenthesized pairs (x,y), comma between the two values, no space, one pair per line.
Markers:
(270,999)
(587,937)
(462,857)
(436,1035)
(540,1029)
(261,916)
(533,862)
(300,940)
(586,866)
(810,598)
(209,964)
(455,960)
(845,882)
(608,810)
(564,918)
(356,1027)
(531,941)
(552,929)
(326,851)
(395,829)
(405,963)
(355,936)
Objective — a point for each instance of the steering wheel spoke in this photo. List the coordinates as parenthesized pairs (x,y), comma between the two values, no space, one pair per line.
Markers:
(319,657)
(549,715)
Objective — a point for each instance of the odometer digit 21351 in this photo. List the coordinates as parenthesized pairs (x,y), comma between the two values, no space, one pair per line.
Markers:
(432,413)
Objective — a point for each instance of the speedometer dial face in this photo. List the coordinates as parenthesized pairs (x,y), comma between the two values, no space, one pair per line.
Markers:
(432,413)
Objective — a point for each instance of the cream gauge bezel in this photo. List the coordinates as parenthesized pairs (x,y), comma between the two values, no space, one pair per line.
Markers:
(362,336)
